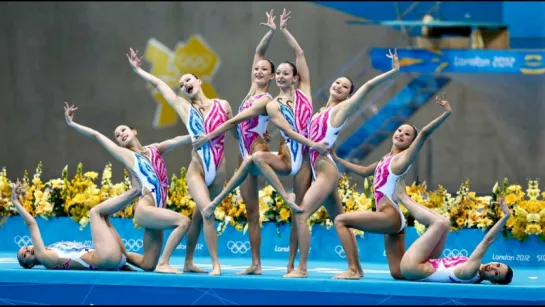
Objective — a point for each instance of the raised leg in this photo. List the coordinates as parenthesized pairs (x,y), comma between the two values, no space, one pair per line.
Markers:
(238,178)
(107,251)
(269,166)
(421,213)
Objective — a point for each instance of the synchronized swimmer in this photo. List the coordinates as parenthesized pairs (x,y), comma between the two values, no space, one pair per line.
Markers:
(305,152)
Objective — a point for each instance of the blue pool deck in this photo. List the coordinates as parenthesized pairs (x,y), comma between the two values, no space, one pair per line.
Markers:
(20,286)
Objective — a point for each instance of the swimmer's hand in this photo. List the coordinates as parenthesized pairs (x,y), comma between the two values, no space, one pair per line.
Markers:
(322,148)
(17,189)
(284,17)
(270,20)
(443,102)
(134,60)
(395,59)
(504,207)
(267,136)
(69,113)
(200,141)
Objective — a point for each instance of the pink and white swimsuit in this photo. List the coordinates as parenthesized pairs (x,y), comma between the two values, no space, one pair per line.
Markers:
(385,182)
(251,129)
(444,270)
(299,119)
(321,131)
(211,153)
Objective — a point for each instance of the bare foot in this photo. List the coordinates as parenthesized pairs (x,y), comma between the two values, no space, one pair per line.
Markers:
(216,271)
(252,270)
(293,206)
(165,268)
(193,268)
(296,274)
(290,268)
(208,211)
(349,274)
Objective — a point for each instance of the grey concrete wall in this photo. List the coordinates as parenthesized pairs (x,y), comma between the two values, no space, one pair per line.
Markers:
(75,52)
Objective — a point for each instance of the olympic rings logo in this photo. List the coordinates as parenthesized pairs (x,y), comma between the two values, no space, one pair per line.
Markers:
(238,247)
(339,250)
(133,245)
(454,252)
(22,241)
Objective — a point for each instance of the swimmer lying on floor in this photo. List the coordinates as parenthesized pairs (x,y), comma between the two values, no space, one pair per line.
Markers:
(109,252)
(420,261)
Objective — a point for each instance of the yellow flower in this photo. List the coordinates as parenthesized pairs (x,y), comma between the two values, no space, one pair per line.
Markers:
(219,214)
(239,227)
(533,229)
(284,214)
(460,221)
(91,175)
(510,199)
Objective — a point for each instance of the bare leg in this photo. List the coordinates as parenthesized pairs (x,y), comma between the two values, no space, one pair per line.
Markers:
(201,195)
(107,251)
(153,242)
(151,217)
(301,183)
(413,265)
(423,215)
(117,203)
(250,196)
(318,192)
(395,248)
(386,221)
(126,267)
(269,165)
(192,240)
(238,178)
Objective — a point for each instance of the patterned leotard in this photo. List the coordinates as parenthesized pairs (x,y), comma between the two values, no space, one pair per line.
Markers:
(251,129)
(299,120)
(444,270)
(73,252)
(211,153)
(385,182)
(152,174)
(321,131)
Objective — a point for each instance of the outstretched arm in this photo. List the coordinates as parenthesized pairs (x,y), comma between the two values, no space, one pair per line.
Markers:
(471,267)
(364,171)
(256,109)
(173,100)
(121,154)
(408,156)
(347,107)
(279,121)
(35,235)
(168,145)
(266,40)
(300,60)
